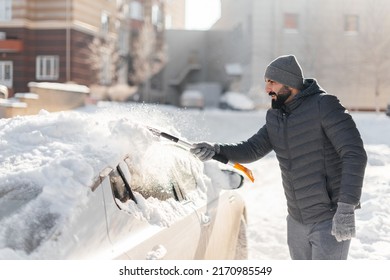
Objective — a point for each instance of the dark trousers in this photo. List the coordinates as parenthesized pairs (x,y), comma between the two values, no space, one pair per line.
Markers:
(314,241)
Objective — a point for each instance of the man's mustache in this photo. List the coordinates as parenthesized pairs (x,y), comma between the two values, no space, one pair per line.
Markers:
(272,93)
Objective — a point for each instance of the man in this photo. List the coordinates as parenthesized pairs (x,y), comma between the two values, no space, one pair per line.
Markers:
(321,157)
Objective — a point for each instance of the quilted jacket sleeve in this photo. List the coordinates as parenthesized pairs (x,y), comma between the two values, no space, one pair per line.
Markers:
(341,130)
(250,150)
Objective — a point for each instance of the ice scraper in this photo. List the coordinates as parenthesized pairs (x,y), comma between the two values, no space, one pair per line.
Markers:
(216,157)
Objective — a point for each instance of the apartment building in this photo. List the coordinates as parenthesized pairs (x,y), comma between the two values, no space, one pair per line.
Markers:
(49,40)
(175,14)
(342,43)
(80,41)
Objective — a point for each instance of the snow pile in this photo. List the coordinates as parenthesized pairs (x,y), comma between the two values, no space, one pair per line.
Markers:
(236,101)
(49,162)
(60,86)
(373,220)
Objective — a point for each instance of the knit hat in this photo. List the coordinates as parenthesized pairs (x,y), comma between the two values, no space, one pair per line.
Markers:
(285,70)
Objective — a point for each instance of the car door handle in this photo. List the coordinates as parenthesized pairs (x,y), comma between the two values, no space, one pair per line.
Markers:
(158,252)
(205,219)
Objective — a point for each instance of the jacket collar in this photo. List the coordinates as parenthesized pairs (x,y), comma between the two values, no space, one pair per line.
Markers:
(310,87)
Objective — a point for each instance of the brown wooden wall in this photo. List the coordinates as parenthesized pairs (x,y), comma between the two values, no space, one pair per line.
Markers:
(49,42)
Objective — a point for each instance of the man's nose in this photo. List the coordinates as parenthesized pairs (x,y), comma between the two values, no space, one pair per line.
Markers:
(268,88)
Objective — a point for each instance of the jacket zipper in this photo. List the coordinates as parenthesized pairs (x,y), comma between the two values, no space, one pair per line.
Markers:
(284,118)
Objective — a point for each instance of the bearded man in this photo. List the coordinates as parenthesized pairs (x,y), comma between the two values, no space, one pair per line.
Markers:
(321,157)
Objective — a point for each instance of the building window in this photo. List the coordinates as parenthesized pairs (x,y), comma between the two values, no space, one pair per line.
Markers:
(155,15)
(136,10)
(105,23)
(5,10)
(6,70)
(291,22)
(47,67)
(168,21)
(351,24)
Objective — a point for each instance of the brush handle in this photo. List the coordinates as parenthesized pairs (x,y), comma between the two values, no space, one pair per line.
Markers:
(176,140)
(216,157)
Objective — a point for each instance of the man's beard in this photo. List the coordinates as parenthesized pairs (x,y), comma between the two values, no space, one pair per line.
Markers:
(281,96)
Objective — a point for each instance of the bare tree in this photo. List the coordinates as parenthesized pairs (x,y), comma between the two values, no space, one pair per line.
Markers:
(147,57)
(375,46)
(104,59)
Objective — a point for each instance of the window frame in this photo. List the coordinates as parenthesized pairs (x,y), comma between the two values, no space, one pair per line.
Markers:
(136,10)
(120,186)
(47,67)
(351,24)
(8,82)
(5,10)
(105,23)
(291,22)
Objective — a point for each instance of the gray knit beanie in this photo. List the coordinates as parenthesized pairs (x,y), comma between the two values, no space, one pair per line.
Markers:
(285,70)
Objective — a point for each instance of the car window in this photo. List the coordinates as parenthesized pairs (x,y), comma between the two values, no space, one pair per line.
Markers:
(174,179)
(118,187)
(125,176)
(166,176)
(148,186)
(118,178)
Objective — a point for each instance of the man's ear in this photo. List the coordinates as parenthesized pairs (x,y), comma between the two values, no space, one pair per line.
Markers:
(293,90)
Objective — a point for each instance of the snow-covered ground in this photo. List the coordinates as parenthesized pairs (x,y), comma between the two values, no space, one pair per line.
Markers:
(30,145)
(265,198)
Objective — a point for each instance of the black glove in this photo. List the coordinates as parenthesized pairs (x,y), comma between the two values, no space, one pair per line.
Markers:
(204,150)
(343,225)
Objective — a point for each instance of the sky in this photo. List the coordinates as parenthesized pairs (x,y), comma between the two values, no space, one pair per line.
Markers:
(202,14)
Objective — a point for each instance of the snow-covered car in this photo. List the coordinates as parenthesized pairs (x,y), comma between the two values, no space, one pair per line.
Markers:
(388,110)
(192,99)
(236,101)
(90,186)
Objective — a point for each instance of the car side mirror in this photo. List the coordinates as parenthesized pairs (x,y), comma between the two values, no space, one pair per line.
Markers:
(236,180)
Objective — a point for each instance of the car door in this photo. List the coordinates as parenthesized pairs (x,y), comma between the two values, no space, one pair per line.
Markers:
(134,237)
(220,218)
(85,237)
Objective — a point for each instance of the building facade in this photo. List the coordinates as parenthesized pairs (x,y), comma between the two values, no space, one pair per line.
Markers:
(50,40)
(342,43)
(79,41)
(175,14)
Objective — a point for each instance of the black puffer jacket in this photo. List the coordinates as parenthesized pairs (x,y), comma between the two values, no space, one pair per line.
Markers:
(320,153)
